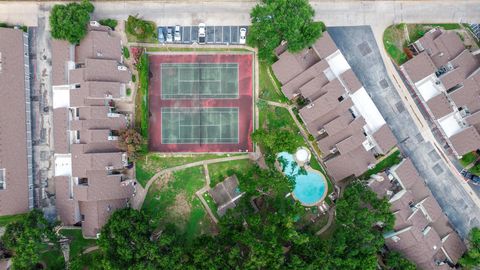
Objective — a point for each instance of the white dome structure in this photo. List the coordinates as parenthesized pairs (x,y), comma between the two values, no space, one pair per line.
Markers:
(302,155)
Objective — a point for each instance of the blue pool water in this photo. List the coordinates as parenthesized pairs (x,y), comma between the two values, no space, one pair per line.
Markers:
(309,188)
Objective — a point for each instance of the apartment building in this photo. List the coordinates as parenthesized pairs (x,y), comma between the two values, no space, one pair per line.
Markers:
(422,233)
(16,184)
(446,78)
(90,170)
(347,126)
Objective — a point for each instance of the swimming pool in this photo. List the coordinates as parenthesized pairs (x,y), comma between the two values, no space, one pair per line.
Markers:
(310,188)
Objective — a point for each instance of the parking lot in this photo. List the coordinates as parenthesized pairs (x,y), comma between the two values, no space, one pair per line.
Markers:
(213,34)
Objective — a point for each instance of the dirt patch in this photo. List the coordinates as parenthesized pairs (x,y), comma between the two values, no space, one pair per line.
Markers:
(163,180)
(180,209)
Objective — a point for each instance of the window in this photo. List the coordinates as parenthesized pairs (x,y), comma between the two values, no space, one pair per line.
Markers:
(2,179)
(83,181)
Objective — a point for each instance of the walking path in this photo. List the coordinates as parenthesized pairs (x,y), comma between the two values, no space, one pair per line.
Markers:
(142,192)
(331,215)
(204,189)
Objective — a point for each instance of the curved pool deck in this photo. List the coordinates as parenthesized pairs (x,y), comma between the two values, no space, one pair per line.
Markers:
(310,189)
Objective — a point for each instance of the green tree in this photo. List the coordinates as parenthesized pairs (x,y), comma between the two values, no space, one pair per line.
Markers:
(275,142)
(27,237)
(395,261)
(471,259)
(125,239)
(274,21)
(69,22)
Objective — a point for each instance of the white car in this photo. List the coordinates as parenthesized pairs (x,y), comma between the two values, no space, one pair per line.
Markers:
(177,36)
(243,36)
(201,33)
(169,34)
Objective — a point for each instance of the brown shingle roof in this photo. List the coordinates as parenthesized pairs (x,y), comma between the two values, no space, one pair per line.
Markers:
(13,127)
(60,57)
(466,140)
(384,138)
(467,95)
(439,105)
(99,45)
(96,214)
(289,65)
(325,46)
(292,88)
(419,67)
(351,81)
(357,160)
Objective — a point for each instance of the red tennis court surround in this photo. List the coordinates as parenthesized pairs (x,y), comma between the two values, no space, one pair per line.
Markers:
(200,103)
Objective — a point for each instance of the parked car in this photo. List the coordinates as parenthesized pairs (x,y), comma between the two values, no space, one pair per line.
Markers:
(470,177)
(169,35)
(177,36)
(161,36)
(243,35)
(201,33)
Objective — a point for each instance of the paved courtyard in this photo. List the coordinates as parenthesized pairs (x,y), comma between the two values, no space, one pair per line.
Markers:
(360,49)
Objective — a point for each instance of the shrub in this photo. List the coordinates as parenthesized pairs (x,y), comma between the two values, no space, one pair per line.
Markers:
(129,92)
(109,22)
(140,29)
(126,52)
(134,78)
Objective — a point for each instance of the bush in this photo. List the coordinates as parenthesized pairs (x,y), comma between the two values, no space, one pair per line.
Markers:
(126,52)
(140,29)
(143,76)
(69,22)
(109,22)
(129,92)
(134,78)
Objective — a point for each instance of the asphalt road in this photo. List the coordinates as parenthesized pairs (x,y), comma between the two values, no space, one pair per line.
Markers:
(332,12)
(360,49)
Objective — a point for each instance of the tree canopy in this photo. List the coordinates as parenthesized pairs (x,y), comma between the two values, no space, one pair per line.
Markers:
(69,22)
(274,21)
(471,259)
(267,239)
(26,238)
(131,142)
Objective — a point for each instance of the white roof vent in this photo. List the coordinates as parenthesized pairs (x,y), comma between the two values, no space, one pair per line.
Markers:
(310,105)
(122,68)
(94,23)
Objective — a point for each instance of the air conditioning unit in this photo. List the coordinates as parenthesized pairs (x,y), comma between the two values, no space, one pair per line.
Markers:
(94,23)
(322,131)
(109,168)
(122,68)
(333,150)
(437,82)
(310,105)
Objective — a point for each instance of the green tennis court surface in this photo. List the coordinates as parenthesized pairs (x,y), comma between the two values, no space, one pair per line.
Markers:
(199,125)
(199,80)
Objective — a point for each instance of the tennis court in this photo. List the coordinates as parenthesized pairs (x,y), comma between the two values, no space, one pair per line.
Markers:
(201,102)
(199,80)
(199,125)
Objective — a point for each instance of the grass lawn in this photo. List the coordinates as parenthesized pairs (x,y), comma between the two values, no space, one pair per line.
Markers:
(90,260)
(53,258)
(172,200)
(468,158)
(8,219)
(392,40)
(219,171)
(148,165)
(387,162)
(269,90)
(446,26)
(78,244)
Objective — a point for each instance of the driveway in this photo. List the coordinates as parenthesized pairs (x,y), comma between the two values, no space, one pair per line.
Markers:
(360,48)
